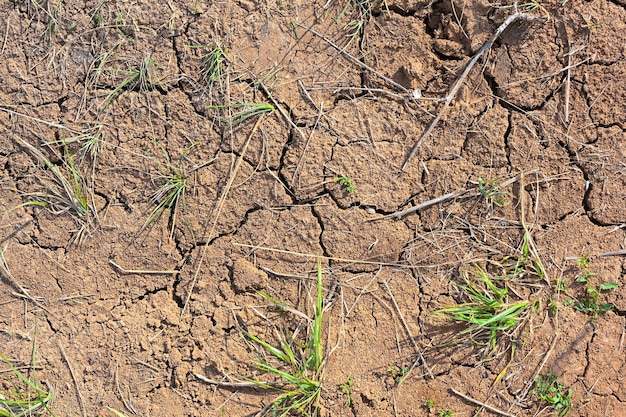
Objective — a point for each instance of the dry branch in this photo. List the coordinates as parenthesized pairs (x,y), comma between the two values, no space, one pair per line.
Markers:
(515,17)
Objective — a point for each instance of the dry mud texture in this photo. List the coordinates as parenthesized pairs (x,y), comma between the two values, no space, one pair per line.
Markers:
(550,121)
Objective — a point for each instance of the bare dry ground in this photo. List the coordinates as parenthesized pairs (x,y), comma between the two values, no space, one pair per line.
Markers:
(142,217)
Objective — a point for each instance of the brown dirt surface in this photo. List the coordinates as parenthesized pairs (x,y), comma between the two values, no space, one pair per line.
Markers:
(156,210)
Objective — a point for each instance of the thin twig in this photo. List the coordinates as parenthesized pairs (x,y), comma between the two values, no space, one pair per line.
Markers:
(614,253)
(554,74)
(308,141)
(567,83)
(406,328)
(331,258)
(409,94)
(36,119)
(356,61)
(219,207)
(280,109)
(76,297)
(483,405)
(307,95)
(517,16)
(5,275)
(540,367)
(141,271)
(118,390)
(447,197)
(6,33)
(441,199)
(234,384)
(81,399)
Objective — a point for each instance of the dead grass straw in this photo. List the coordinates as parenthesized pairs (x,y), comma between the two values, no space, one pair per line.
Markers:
(219,207)
(481,404)
(81,399)
(515,17)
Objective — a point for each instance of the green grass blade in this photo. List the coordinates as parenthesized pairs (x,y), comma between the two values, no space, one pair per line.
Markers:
(26,403)
(505,319)
(248,111)
(271,349)
(316,338)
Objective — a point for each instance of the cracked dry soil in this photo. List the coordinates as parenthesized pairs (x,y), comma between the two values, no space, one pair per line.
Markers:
(548,105)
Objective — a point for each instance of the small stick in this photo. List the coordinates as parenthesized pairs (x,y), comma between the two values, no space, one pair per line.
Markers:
(310,255)
(483,405)
(118,390)
(308,96)
(75,297)
(281,275)
(614,253)
(25,367)
(280,109)
(5,275)
(219,207)
(140,271)
(147,365)
(406,327)
(556,73)
(45,122)
(356,61)
(541,365)
(447,197)
(616,228)
(567,83)
(457,84)
(6,34)
(441,199)
(81,400)
(308,141)
(234,384)
(409,94)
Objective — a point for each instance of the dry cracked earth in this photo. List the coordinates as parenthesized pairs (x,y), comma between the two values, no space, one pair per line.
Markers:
(165,164)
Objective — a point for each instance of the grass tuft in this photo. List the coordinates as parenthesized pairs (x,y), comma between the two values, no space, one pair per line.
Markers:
(212,62)
(66,191)
(170,196)
(487,313)
(139,76)
(492,192)
(90,142)
(299,371)
(27,397)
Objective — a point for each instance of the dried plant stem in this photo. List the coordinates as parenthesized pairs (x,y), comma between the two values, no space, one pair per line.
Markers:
(540,367)
(614,253)
(406,328)
(356,61)
(567,85)
(218,209)
(142,271)
(119,392)
(331,258)
(308,140)
(483,405)
(232,384)
(441,199)
(445,198)
(517,16)
(5,275)
(81,399)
